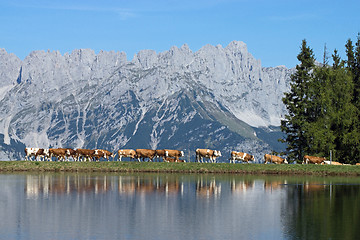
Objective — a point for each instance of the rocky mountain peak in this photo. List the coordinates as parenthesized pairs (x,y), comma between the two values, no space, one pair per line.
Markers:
(177,97)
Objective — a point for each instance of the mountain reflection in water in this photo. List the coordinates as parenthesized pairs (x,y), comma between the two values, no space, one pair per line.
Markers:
(173,206)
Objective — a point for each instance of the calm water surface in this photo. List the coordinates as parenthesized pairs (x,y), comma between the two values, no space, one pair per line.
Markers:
(148,206)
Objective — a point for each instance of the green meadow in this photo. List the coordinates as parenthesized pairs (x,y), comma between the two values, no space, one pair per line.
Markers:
(165,167)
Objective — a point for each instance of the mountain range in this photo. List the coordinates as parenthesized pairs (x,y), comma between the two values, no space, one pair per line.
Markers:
(217,97)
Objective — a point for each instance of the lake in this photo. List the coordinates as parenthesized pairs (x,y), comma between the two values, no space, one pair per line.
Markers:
(172,206)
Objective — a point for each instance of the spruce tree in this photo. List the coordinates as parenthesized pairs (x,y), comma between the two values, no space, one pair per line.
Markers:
(356,71)
(296,102)
(350,54)
(343,115)
(317,129)
(337,63)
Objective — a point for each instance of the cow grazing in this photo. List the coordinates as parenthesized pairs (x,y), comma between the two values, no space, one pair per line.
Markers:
(145,153)
(313,160)
(240,156)
(274,159)
(174,153)
(84,154)
(126,153)
(334,163)
(160,154)
(169,159)
(207,153)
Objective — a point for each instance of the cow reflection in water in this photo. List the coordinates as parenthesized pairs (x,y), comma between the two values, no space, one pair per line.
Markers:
(273,185)
(143,186)
(44,185)
(241,186)
(305,187)
(313,187)
(207,188)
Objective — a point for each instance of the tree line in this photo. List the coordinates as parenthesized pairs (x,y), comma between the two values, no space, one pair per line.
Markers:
(324,106)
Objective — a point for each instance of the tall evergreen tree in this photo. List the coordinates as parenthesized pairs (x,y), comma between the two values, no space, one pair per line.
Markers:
(296,102)
(337,63)
(350,62)
(356,71)
(317,129)
(343,115)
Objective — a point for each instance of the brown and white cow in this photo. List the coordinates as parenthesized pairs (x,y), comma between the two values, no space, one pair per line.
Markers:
(241,156)
(33,152)
(101,153)
(174,153)
(44,154)
(69,152)
(207,153)
(274,159)
(84,154)
(126,153)
(313,160)
(145,153)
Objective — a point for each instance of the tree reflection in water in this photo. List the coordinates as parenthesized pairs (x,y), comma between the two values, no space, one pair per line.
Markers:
(322,210)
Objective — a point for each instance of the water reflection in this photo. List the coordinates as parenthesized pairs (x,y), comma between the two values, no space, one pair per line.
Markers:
(158,206)
(241,186)
(206,188)
(44,184)
(149,184)
(323,210)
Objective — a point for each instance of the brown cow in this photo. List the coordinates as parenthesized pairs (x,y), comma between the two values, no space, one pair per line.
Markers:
(83,154)
(313,160)
(169,159)
(59,153)
(174,153)
(160,154)
(274,159)
(207,153)
(240,156)
(145,153)
(126,153)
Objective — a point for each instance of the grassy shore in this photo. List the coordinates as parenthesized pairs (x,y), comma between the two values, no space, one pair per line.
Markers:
(163,167)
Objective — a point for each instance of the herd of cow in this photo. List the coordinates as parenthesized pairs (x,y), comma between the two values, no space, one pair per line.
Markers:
(64,154)
(167,155)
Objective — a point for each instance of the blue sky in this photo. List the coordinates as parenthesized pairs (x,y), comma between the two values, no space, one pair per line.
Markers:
(272,30)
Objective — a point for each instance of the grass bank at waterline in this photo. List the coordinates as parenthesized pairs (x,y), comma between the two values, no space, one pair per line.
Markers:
(164,167)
